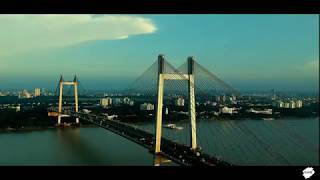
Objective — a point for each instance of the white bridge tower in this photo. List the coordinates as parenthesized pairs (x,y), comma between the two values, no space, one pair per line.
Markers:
(162,76)
(68,83)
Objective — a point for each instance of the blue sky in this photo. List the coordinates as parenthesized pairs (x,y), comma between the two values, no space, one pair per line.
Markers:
(106,52)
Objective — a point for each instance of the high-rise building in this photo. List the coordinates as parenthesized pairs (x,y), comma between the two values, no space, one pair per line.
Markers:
(43,92)
(298,104)
(105,102)
(292,104)
(147,106)
(37,92)
(223,98)
(24,94)
(286,105)
(127,101)
(117,101)
(273,94)
(280,104)
(179,102)
(167,111)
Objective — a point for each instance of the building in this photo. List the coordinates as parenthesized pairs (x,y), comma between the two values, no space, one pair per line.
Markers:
(289,104)
(292,104)
(118,101)
(25,94)
(146,106)
(234,97)
(37,92)
(286,105)
(104,102)
(128,101)
(265,111)
(273,94)
(18,108)
(179,101)
(227,110)
(298,104)
(223,98)
(131,103)
(279,104)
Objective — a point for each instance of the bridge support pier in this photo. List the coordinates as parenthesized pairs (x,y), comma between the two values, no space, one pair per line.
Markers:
(162,76)
(159,159)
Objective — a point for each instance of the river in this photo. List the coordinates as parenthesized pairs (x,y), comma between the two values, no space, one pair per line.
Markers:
(244,142)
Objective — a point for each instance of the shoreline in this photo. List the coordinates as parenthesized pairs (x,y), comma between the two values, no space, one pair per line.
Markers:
(27,129)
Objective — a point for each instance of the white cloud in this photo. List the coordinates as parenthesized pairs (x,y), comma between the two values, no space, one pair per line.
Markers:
(20,33)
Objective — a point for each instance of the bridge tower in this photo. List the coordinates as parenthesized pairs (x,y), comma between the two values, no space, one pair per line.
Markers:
(68,83)
(162,76)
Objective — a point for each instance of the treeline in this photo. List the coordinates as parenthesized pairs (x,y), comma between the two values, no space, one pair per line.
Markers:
(37,117)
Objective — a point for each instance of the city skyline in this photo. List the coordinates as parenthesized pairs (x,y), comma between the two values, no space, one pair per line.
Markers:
(250,52)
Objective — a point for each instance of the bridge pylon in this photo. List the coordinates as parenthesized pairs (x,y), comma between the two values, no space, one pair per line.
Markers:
(162,76)
(73,83)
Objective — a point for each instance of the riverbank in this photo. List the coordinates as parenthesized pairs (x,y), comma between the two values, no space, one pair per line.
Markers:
(27,129)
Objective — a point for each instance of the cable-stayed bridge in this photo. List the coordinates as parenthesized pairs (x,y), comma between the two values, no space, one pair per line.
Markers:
(189,84)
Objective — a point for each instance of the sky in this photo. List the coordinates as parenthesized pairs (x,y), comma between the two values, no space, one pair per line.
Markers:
(249,52)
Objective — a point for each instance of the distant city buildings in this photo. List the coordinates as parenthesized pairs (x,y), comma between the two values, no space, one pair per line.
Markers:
(104,102)
(289,104)
(147,106)
(265,111)
(227,110)
(179,101)
(299,104)
(286,105)
(117,101)
(37,92)
(25,94)
(128,101)
(209,103)
(221,99)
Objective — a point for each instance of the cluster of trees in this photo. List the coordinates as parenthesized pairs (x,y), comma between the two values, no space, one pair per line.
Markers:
(37,117)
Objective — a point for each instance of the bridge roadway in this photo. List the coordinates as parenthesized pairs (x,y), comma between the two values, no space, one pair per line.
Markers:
(178,153)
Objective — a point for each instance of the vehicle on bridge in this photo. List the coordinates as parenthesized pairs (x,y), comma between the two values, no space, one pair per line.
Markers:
(173,126)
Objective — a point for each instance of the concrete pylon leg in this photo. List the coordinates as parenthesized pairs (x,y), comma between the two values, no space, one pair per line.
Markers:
(159,114)
(60,102)
(192,113)
(76,99)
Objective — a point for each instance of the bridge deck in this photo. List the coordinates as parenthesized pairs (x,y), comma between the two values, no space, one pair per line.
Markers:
(178,153)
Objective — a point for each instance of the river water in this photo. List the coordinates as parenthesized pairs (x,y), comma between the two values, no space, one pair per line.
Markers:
(243,142)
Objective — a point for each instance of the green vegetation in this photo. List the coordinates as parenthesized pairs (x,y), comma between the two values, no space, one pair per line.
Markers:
(35,118)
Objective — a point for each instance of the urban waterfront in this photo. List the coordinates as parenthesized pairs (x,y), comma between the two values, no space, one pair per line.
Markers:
(201,96)
(95,146)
